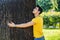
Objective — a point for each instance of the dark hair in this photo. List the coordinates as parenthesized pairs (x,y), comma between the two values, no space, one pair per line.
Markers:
(40,9)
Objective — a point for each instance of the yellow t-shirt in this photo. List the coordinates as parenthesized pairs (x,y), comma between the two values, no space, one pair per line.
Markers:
(37,27)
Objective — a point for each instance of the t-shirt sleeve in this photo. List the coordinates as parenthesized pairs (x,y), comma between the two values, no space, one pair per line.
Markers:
(34,20)
(37,20)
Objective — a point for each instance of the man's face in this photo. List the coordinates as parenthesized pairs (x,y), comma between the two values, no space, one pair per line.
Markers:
(35,10)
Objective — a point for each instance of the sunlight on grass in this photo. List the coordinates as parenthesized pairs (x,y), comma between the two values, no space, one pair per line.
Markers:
(52,34)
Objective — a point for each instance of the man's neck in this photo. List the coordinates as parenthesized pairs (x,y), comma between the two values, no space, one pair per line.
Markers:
(36,15)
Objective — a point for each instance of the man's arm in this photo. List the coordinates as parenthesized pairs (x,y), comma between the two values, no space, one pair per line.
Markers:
(24,25)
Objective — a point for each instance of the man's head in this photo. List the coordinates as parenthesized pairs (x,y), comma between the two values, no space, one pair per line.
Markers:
(37,9)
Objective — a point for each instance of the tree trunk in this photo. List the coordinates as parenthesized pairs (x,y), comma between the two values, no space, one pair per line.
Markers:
(18,11)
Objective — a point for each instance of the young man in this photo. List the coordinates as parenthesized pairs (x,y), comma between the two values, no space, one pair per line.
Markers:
(36,22)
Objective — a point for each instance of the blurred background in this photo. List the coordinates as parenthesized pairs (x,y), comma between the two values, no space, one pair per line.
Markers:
(51,16)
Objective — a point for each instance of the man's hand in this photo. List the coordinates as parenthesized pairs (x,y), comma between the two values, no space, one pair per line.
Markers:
(11,24)
(23,25)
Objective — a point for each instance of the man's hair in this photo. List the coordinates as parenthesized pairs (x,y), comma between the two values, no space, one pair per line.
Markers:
(40,9)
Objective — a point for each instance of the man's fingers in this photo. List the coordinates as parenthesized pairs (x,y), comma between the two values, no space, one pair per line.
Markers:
(11,22)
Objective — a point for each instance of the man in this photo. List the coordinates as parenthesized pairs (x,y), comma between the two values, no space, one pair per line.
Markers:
(36,22)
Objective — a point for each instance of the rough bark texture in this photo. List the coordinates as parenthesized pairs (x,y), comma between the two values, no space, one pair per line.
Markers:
(18,11)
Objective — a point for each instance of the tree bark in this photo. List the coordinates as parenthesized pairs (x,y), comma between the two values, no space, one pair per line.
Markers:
(18,11)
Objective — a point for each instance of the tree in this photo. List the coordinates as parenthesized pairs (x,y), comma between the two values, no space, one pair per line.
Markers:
(18,11)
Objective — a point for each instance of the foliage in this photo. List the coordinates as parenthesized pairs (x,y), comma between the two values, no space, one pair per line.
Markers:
(58,5)
(55,4)
(51,20)
(45,4)
(49,4)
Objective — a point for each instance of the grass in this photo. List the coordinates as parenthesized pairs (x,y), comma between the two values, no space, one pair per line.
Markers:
(52,34)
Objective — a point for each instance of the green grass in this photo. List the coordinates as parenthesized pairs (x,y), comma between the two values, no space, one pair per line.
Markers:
(52,34)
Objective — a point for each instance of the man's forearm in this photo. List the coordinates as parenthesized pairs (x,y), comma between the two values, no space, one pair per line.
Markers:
(24,25)
(21,25)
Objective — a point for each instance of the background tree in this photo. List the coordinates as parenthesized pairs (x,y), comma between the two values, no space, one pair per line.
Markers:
(45,4)
(49,4)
